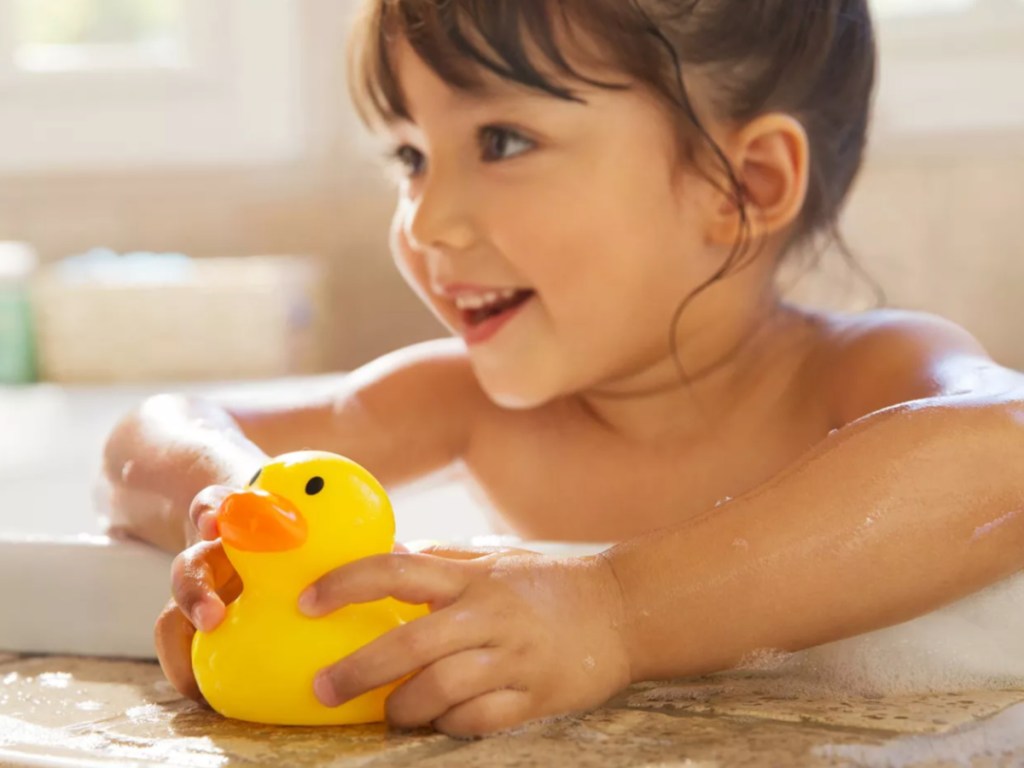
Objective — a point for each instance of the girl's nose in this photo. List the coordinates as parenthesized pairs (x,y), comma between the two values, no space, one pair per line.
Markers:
(441,216)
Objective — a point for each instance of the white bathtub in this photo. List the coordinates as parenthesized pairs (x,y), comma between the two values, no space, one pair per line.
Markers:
(65,588)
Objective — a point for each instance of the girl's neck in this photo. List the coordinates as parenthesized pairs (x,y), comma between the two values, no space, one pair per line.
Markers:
(727,366)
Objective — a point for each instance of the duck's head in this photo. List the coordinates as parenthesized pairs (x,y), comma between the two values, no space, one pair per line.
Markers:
(304,514)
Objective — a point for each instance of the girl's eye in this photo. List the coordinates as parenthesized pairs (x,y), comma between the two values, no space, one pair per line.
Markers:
(496,143)
(500,143)
(410,159)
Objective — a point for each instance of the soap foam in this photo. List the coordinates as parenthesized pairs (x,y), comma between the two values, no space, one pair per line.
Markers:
(977,642)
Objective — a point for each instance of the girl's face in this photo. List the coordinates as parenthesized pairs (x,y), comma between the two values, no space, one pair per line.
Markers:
(556,237)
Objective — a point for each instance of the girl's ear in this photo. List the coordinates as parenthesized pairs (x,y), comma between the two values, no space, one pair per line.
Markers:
(771,159)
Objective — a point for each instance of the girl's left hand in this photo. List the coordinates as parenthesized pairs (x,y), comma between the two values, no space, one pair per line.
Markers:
(511,637)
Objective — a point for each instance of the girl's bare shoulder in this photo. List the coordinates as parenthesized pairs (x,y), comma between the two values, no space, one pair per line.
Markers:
(430,378)
(872,360)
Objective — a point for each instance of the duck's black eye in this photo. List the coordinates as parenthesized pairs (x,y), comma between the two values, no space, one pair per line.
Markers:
(314,486)
(256,476)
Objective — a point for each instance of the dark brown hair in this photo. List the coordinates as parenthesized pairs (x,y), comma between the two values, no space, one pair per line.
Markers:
(812,59)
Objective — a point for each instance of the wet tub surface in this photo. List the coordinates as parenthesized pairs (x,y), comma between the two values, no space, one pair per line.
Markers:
(73,711)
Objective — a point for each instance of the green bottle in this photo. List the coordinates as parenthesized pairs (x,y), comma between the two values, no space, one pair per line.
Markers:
(17,338)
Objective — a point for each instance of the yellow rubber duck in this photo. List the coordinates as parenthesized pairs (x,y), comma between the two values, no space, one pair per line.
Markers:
(302,515)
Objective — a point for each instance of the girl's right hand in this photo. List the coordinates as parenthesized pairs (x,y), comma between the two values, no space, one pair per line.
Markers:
(203,581)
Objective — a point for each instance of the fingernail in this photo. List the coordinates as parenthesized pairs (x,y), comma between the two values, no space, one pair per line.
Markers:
(202,616)
(324,690)
(307,601)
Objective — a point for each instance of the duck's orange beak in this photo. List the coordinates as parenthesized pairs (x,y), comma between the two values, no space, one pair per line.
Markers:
(257,521)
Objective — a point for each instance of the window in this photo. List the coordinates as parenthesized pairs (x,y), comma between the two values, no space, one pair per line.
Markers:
(949,68)
(121,84)
(55,35)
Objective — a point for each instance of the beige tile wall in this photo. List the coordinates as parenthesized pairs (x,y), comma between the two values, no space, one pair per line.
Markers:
(938,229)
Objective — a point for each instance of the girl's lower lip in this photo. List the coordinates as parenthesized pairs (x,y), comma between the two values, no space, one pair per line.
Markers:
(478,334)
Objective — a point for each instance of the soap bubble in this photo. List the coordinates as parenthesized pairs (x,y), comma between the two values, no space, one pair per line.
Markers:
(977,642)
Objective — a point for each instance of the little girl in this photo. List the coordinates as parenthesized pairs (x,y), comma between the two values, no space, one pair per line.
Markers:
(595,197)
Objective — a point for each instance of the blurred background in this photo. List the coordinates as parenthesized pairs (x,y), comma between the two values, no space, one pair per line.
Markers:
(185,194)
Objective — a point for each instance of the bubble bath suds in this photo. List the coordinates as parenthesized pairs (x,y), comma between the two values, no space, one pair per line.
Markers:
(977,642)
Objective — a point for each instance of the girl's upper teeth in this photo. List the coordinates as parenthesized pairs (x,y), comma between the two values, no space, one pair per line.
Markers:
(481,300)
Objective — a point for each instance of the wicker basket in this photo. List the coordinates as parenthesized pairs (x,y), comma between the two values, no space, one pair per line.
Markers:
(227,318)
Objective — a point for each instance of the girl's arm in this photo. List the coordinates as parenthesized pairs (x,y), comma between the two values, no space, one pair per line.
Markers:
(402,416)
(896,515)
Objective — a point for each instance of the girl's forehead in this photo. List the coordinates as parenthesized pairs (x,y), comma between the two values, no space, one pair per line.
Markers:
(422,86)
(424,89)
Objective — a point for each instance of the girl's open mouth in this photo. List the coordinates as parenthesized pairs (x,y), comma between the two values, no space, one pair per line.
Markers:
(481,324)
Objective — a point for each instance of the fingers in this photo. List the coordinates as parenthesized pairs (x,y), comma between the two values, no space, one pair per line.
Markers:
(173,638)
(492,712)
(202,578)
(394,655)
(203,511)
(412,579)
(446,684)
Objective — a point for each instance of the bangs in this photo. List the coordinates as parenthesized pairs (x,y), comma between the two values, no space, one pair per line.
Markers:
(463,40)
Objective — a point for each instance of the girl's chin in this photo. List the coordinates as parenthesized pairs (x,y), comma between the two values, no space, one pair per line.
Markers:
(516,401)
(514,391)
